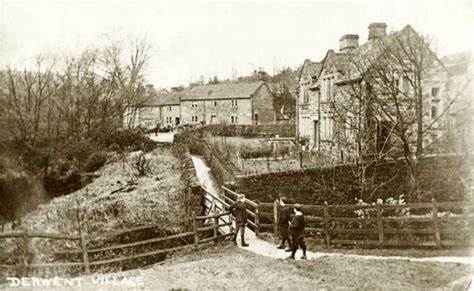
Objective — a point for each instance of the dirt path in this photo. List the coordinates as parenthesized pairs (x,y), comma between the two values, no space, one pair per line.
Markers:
(267,249)
(167,137)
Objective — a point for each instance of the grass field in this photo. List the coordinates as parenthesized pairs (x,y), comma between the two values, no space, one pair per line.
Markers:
(228,268)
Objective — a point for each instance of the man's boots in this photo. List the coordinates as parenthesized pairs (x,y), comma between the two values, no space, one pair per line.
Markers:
(235,239)
(244,244)
(282,244)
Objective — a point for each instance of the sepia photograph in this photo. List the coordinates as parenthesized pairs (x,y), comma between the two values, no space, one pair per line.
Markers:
(236,145)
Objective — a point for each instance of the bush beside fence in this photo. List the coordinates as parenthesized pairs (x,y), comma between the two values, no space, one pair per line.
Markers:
(260,130)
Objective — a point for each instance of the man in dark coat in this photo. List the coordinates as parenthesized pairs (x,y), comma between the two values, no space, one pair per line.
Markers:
(239,211)
(297,232)
(283,222)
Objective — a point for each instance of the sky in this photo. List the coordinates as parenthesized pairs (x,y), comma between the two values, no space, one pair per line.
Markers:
(193,39)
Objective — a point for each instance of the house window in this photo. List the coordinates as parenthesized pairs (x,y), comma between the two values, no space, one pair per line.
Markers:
(234,102)
(215,103)
(434,112)
(169,108)
(434,92)
(233,119)
(194,118)
(328,88)
(305,95)
(194,104)
(405,84)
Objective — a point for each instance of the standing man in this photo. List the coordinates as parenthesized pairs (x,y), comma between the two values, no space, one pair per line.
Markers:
(239,211)
(297,233)
(283,222)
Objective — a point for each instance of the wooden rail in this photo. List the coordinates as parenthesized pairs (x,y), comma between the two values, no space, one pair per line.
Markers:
(85,251)
(328,223)
(254,221)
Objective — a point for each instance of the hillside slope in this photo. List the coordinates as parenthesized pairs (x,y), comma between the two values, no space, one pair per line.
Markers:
(227,267)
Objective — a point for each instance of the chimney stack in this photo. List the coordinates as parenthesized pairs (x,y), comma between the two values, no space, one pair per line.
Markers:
(348,42)
(377,30)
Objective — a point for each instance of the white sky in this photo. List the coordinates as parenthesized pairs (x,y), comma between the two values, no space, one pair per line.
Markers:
(202,38)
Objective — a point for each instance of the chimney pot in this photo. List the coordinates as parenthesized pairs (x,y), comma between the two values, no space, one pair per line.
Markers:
(348,42)
(377,30)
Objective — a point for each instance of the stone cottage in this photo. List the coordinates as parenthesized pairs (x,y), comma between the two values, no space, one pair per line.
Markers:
(156,108)
(228,103)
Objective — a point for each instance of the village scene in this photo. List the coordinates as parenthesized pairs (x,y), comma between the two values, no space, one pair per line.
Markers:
(347,166)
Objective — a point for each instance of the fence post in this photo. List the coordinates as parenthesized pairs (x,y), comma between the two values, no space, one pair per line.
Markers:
(195,231)
(326,223)
(26,242)
(437,235)
(231,226)
(85,256)
(275,217)
(380,223)
(215,224)
(257,220)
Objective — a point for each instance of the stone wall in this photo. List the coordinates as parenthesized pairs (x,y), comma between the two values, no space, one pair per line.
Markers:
(282,130)
(225,172)
(439,177)
(194,191)
(262,105)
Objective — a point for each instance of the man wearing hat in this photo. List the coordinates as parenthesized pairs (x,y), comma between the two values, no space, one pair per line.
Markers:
(239,210)
(283,222)
(297,232)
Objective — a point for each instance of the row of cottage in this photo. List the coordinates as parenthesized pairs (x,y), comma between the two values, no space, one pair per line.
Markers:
(368,97)
(227,103)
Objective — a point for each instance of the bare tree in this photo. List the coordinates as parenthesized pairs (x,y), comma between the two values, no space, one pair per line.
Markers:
(398,99)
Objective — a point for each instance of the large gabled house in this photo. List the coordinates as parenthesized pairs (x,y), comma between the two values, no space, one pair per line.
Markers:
(349,106)
(228,103)
(306,110)
(460,67)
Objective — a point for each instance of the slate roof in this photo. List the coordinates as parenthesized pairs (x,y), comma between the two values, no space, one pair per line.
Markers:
(457,63)
(222,91)
(310,68)
(161,99)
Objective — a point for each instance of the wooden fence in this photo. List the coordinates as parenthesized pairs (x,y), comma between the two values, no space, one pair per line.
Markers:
(434,224)
(379,224)
(83,241)
(252,209)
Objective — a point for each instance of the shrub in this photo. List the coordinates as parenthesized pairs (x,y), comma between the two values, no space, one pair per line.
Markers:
(142,164)
(95,161)
(248,152)
(128,140)
(20,191)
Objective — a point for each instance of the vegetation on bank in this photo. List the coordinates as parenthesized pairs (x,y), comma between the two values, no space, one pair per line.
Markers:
(120,197)
(62,119)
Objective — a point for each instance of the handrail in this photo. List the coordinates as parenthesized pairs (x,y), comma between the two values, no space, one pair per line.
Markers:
(216,197)
(212,216)
(34,234)
(250,202)
(143,242)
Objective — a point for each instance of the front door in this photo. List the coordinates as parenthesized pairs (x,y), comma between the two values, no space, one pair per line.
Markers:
(176,121)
